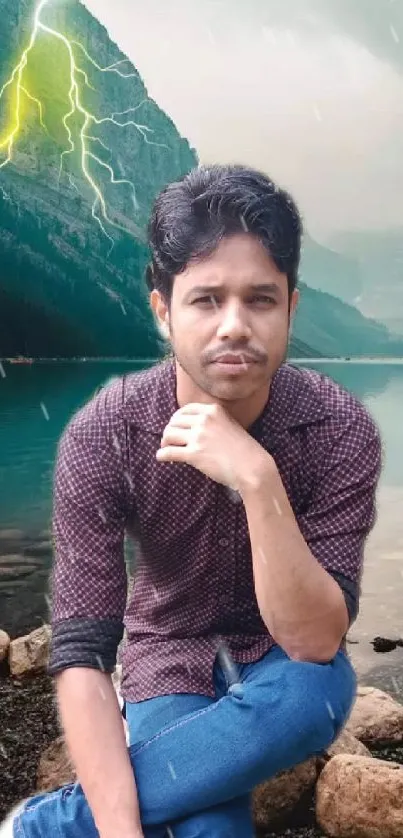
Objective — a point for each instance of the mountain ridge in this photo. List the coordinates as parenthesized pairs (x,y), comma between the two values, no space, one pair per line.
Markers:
(58,268)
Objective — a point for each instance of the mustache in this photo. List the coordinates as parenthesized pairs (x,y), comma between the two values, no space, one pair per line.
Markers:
(242,351)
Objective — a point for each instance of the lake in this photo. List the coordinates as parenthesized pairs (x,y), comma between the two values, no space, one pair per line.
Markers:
(35,404)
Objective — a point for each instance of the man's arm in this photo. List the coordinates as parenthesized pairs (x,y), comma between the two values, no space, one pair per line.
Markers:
(89,588)
(95,737)
(300,601)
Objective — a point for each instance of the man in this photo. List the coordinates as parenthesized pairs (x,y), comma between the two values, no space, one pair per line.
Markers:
(249,485)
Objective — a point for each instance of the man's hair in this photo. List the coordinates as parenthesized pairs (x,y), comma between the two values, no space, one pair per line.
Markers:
(191,216)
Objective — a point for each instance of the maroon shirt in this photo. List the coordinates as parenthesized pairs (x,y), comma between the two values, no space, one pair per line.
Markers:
(194,584)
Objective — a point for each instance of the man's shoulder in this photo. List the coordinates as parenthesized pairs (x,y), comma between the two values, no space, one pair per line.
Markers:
(319,399)
(107,409)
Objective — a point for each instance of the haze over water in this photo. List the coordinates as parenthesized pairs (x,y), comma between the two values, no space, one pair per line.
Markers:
(36,403)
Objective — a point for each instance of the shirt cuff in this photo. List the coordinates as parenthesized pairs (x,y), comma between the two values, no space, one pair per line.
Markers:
(85,642)
(350,592)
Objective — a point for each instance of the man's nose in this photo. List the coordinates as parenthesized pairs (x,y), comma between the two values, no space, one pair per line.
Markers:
(234,323)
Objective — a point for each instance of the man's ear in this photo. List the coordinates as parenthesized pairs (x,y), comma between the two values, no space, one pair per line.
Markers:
(164,329)
(160,310)
(294,303)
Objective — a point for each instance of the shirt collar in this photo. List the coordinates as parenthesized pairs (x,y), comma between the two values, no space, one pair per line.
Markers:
(151,397)
(294,400)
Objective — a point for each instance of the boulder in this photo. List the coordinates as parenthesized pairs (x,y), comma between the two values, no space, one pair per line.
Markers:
(376,718)
(4,645)
(278,797)
(360,797)
(346,743)
(55,767)
(30,653)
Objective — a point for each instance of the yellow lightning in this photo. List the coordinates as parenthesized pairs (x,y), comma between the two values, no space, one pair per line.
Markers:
(76,107)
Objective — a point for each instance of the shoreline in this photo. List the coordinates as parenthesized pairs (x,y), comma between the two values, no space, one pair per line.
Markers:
(25,569)
(30,726)
(353,359)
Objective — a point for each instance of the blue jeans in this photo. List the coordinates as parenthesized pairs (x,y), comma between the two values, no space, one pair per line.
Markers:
(197,759)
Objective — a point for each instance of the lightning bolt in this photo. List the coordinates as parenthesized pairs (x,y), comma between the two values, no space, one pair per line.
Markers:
(86,140)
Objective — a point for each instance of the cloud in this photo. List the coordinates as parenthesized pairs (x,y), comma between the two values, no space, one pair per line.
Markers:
(293,94)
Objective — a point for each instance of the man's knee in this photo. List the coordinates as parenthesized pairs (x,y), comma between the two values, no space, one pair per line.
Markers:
(228,820)
(324,695)
(309,702)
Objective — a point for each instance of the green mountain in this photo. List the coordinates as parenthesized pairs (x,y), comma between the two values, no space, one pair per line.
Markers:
(85,141)
(378,256)
(64,289)
(326,269)
(333,328)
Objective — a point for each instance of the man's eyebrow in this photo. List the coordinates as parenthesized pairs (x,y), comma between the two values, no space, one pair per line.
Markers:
(209,290)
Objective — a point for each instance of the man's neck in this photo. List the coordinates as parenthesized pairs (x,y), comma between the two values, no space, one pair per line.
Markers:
(244,411)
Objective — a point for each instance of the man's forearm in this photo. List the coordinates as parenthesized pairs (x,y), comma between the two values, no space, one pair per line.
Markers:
(95,737)
(301,604)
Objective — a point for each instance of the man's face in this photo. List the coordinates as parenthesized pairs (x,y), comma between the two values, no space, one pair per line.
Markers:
(229,320)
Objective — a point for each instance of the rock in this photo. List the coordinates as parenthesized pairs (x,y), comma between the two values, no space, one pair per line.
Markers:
(12,559)
(55,767)
(11,535)
(13,570)
(376,717)
(279,796)
(4,645)
(360,797)
(346,743)
(30,653)
(40,550)
(117,677)
(116,680)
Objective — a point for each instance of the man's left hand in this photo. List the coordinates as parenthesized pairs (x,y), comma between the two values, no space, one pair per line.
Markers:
(206,437)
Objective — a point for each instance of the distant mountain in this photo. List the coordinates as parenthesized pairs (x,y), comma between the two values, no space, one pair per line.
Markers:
(378,256)
(333,328)
(69,288)
(324,269)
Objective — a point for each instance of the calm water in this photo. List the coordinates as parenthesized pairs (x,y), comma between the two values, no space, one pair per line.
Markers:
(37,401)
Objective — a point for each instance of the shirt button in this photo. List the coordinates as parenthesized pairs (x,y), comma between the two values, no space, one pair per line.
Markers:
(223,542)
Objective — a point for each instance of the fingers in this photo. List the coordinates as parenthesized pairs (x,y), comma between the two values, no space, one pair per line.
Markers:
(174,436)
(181,420)
(194,407)
(172,454)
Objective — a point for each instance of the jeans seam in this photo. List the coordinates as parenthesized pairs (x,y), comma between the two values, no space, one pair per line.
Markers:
(18,827)
(134,750)
(337,726)
(49,797)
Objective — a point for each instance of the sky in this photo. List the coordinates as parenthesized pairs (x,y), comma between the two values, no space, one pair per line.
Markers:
(309,91)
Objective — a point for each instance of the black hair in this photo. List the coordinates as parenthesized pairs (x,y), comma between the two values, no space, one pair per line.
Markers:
(192,215)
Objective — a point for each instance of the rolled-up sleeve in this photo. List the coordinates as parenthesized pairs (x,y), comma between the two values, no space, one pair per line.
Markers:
(342,509)
(89,581)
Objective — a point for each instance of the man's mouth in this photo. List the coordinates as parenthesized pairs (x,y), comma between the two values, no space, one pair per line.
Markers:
(235,358)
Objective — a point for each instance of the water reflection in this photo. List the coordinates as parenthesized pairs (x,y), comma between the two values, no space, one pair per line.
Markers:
(37,401)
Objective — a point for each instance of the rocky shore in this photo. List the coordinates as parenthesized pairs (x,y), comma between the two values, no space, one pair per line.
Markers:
(25,562)
(355,790)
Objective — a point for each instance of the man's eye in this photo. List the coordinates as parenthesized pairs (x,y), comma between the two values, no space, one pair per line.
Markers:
(211,300)
(262,298)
